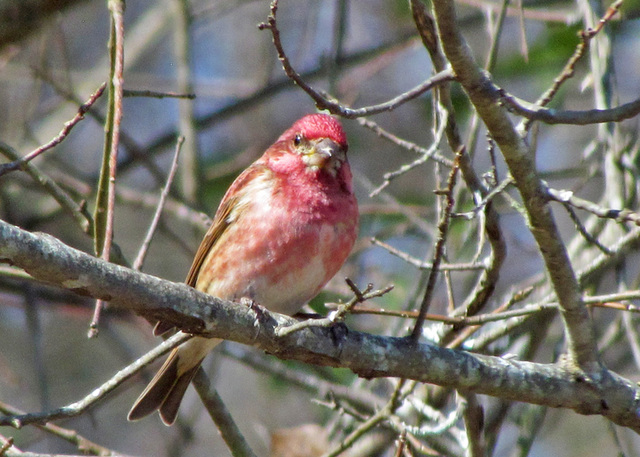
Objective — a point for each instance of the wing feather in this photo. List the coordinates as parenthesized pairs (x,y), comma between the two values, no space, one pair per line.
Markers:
(226,215)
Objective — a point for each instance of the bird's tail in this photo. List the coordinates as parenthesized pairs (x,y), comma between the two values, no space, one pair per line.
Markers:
(165,391)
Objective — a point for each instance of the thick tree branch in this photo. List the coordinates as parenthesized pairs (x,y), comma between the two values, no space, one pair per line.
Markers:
(49,260)
(485,97)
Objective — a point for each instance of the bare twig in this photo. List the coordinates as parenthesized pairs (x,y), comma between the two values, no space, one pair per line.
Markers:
(59,138)
(619,215)
(486,281)
(569,69)
(341,311)
(134,151)
(384,414)
(156,94)
(219,413)
(71,436)
(270,90)
(6,445)
(461,266)
(105,202)
(429,153)
(77,211)
(137,263)
(564,16)
(79,407)
(443,228)
(498,189)
(382,133)
(323,102)
(473,417)
(364,400)
(583,231)
(534,112)
(443,424)
(484,96)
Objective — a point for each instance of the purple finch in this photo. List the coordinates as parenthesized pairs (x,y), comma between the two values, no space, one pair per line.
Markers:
(283,229)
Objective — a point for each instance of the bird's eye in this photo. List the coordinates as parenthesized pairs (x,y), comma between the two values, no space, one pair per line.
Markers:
(297,139)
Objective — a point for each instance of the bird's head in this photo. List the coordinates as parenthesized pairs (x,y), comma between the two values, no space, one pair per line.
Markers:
(319,140)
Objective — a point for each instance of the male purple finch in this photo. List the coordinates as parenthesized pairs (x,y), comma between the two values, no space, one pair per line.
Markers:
(283,229)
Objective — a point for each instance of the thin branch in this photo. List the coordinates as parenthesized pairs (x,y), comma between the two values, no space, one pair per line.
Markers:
(134,151)
(583,230)
(439,427)
(77,211)
(384,414)
(155,94)
(443,228)
(219,413)
(619,215)
(535,112)
(461,266)
(71,436)
(105,202)
(382,133)
(269,90)
(59,138)
(498,189)
(362,399)
(486,281)
(137,263)
(323,102)
(79,407)
(473,417)
(569,69)
(410,166)
(564,16)
(339,313)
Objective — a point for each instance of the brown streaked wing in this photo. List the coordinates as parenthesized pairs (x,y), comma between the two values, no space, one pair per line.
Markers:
(221,220)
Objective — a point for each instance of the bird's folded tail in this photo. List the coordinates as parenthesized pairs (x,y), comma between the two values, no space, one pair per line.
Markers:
(165,391)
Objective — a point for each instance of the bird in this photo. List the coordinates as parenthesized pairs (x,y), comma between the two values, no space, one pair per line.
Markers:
(282,230)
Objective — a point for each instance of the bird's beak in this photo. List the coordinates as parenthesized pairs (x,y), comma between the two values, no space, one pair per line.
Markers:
(323,152)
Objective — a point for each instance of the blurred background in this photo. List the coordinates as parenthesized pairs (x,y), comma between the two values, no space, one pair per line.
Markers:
(54,55)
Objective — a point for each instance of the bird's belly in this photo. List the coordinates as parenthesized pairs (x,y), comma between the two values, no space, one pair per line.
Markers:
(279,267)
